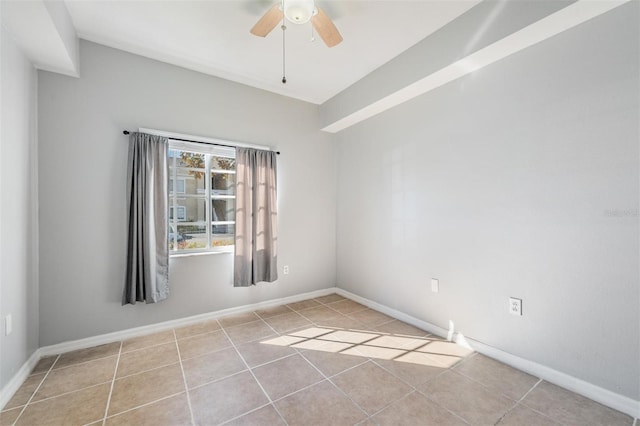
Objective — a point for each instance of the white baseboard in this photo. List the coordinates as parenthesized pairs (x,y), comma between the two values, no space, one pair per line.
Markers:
(603,396)
(596,393)
(14,384)
(7,392)
(168,325)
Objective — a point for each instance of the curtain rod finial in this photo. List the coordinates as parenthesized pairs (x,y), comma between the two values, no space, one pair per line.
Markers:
(125,132)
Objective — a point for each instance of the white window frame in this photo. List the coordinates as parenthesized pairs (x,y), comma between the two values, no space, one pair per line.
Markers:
(208,151)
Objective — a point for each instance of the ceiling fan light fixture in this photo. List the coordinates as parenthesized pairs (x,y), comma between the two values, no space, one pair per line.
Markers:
(299,11)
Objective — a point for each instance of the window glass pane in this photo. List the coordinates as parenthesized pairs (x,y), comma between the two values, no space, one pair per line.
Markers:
(191,182)
(222,183)
(179,185)
(223,163)
(193,237)
(223,209)
(197,178)
(188,209)
(222,235)
(179,212)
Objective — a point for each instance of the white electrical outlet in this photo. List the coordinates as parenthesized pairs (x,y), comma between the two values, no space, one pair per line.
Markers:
(8,325)
(515,306)
(285,269)
(435,285)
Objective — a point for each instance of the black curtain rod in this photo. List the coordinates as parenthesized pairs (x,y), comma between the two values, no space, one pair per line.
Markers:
(126,132)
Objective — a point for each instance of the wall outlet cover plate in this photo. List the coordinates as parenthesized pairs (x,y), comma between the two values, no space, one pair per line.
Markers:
(515,306)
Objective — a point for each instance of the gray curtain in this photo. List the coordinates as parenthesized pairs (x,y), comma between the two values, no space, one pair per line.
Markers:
(147,278)
(256,241)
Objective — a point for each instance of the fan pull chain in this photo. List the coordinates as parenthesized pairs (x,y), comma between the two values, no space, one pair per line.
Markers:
(284,78)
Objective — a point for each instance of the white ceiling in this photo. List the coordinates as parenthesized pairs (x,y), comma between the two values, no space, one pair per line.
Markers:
(213,37)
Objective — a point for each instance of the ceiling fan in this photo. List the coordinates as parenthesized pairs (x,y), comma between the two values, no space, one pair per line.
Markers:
(299,12)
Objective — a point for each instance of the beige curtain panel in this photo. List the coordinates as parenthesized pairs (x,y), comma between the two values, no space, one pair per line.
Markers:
(256,240)
(147,278)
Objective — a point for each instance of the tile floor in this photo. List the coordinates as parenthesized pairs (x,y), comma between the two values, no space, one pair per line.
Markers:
(326,361)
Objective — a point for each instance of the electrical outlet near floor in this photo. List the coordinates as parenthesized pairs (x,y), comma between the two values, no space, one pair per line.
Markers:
(8,325)
(515,306)
(435,285)
(285,269)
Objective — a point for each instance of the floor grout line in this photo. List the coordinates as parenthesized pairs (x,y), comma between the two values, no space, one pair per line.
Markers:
(296,351)
(336,386)
(113,382)
(84,362)
(144,405)
(184,378)
(253,374)
(35,391)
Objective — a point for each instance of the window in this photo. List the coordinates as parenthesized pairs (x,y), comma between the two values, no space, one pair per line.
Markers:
(180,213)
(178,184)
(201,197)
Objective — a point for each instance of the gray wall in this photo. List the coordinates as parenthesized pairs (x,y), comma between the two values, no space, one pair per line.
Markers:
(18,236)
(83,158)
(518,180)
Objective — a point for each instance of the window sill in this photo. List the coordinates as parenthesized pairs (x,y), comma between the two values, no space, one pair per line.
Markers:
(202,253)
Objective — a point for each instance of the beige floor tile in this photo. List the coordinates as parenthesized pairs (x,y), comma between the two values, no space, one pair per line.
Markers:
(238,319)
(433,360)
(415,409)
(497,376)
(466,398)
(521,415)
(148,340)
(367,422)
(374,352)
(195,329)
(226,399)
(249,332)
(305,304)
(22,395)
(265,416)
(173,411)
(203,344)
(322,345)
(213,366)
(44,364)
(348,336)
(77,377)
(340,321)
(274,311)
(287,375)
(371,387)
(311,332)
(400,328)
(398,342)
(346,306)
(288,322)
(256,353)
(330,298)
(438,347)
(413,374)
(370,318)
(146,359)
(88,354)
(321,404)
(9,416)
(572,409)
(321,313)
(133,391)
(331,364)
(76,408)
